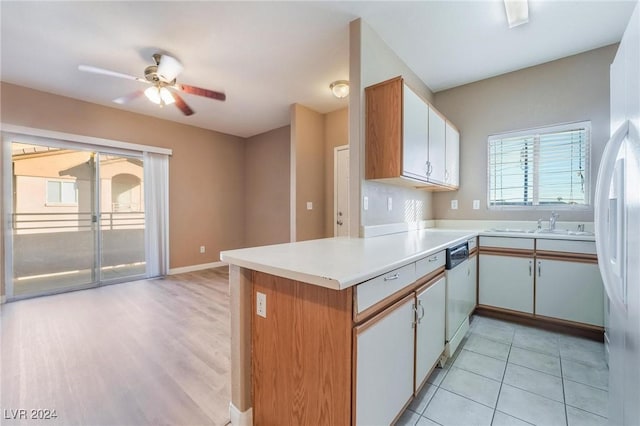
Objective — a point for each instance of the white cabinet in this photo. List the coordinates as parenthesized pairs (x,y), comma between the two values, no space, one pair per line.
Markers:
(385,363)
(437,134)
(472,282)
(415,134)
(569,290)
(429,328)
(506,282)
(406,139)
(452,156)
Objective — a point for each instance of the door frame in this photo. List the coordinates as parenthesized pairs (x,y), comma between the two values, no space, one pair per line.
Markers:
(336,150)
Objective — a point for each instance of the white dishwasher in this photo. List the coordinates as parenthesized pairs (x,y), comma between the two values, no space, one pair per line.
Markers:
(460,296)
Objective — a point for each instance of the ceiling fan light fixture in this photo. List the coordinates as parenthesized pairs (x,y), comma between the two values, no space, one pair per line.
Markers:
(340,88)
(169,67)
(159,95)
(517,12)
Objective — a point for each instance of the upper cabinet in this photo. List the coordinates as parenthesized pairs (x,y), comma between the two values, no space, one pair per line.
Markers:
(408,142)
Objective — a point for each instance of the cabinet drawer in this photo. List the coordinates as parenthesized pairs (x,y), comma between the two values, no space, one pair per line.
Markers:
(506,242)
(568,246)
(473,243)
(429,264)
(377,289)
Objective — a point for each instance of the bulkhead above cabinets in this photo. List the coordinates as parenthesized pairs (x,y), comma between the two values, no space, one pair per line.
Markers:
(408,141)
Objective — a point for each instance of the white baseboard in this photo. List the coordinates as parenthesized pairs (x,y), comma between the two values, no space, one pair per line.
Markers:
(192,268)
(239,418)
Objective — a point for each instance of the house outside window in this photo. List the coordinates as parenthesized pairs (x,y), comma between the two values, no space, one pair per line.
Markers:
(547,167)
(62,192)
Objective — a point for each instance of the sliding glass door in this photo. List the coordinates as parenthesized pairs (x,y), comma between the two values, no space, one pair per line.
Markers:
(77,218)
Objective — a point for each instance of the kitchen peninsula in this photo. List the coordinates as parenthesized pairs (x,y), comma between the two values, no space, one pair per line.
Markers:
(298,311)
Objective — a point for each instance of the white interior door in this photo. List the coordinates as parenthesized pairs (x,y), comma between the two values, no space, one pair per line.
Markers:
(341,191)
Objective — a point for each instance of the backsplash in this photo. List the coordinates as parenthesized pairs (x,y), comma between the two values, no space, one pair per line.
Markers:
(407,205)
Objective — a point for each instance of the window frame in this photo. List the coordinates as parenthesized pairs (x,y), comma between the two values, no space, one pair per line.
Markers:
(535,132)
(61,183)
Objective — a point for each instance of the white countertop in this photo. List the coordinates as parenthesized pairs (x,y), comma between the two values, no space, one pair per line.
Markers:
(576,236)
(342,262)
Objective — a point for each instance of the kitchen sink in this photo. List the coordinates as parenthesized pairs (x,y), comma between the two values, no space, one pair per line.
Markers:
(542,231)
(520,231)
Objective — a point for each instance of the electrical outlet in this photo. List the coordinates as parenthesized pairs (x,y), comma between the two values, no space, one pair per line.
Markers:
(309,205)
(476,204)
(454,204)
(202,249)
(389,203)
(261,304)
(365,203)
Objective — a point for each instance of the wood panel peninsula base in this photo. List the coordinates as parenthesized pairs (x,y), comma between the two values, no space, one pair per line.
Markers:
(294,366)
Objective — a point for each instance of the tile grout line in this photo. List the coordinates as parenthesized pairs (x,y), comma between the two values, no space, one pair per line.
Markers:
(502,381)
(564,397)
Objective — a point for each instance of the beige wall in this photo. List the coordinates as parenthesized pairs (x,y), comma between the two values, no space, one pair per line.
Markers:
(373,61)
(571,89)
(307,166)
(266,188)
(336,133)
(206,171)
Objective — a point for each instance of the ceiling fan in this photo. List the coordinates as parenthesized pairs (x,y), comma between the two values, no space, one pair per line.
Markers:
(162,78)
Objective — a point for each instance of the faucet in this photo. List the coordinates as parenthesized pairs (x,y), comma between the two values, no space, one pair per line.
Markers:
(539,224)
(552,220)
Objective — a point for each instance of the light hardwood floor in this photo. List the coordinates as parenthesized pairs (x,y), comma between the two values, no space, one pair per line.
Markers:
(153,352)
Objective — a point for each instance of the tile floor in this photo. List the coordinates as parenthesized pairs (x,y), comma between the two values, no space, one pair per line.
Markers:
(508,374)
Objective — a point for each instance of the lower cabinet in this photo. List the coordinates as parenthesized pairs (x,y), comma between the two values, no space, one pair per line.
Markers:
(472,280)
(384,363)
(429,328)
(569,290)
(506,282)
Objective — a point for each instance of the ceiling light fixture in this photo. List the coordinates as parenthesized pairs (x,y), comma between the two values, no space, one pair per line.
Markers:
(159,95)
(517,12)
(340,88)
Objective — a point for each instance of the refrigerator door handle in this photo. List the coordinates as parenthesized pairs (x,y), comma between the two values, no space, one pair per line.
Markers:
(607,212)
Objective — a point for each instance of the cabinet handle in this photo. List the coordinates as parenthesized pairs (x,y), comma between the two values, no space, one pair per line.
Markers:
(539,268)
(415,315)
(530,267)
(433,259)
(392,277)
(421,311)
(426,168)
(430,168)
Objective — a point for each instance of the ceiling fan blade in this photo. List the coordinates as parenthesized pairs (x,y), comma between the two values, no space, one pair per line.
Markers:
(193,90)
(96,70)
(182,105)
(128,98)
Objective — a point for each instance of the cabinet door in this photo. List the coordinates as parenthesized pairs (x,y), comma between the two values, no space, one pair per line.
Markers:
(384,363)
(430,328)
(569,290)
(452,156)
(437,132)
(472,284)
(415,125)
(506,282)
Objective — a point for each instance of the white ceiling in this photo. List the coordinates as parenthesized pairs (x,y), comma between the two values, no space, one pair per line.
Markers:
(267,55)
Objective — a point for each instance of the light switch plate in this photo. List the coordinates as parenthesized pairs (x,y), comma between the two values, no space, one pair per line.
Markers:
(202,249)
(389,203)
(476,204)
(365,203)
(261,304)
(309,205)
(454,204)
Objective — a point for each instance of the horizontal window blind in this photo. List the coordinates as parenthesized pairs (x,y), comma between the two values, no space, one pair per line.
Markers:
(542,167)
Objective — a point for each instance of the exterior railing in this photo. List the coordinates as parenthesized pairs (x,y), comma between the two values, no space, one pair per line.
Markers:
(79,221)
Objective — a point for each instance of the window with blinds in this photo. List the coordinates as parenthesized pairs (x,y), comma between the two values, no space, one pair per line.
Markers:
(541,167)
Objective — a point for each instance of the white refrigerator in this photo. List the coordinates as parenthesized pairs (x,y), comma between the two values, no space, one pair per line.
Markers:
(617,223)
